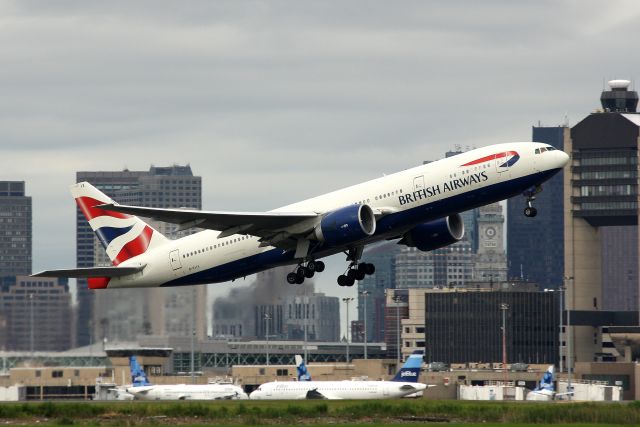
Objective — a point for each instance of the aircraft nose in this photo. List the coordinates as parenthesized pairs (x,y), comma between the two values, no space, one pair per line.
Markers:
(562,158)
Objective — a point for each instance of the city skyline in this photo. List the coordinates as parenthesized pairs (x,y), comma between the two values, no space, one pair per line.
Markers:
(341,96)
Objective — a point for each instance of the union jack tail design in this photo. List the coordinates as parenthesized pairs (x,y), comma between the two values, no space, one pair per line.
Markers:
(123,236)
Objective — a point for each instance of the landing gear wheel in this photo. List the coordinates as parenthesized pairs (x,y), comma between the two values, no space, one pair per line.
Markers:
(351,274)
(530,212)
(319,266)
(311,266)
(292,278)
(360,274)
(369,269)
(299,280)
(343,280)
(308,272)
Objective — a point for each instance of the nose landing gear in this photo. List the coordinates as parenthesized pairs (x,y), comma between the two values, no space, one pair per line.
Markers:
(530,195)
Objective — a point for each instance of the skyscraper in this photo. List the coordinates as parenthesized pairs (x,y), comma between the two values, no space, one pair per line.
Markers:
(124,314)
(535,249)
(36,314)
(15,229)
(491,259)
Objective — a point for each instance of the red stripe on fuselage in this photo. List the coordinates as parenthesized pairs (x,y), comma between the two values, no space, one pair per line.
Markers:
(491,157)
(88,207)
(135,247)
(98,282)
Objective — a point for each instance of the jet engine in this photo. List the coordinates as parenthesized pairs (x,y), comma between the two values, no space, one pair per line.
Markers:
(435,234)
(346,225)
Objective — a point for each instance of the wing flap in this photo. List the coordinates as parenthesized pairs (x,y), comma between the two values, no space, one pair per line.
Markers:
(82,273)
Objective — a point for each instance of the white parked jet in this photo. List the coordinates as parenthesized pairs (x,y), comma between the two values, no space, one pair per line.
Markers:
(545,390)
(403,384)
(142,389)
(419,206)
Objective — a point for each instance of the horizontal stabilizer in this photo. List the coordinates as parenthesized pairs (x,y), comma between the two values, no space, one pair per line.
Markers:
(81,273)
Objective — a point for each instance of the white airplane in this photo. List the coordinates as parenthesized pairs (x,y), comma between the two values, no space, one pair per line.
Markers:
(419,206)
(545,390)
(403,384)
(142,389)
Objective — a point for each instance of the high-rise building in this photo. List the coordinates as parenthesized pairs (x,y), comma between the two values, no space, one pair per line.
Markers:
(535,245)
(371,290)
(601,220)
(15,229)
(124,314)
(267,307)
(491,260)
(36,314)
(449,266)
(466,326)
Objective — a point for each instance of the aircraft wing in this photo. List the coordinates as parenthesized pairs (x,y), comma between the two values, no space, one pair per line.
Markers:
(90,272)
(274,228)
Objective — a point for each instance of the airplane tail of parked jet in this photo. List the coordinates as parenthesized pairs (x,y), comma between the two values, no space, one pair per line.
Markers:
(138,377)
(303,374)
(410,371)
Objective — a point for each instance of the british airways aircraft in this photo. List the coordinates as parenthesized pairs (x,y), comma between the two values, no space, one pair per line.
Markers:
(403,384)
(418,206)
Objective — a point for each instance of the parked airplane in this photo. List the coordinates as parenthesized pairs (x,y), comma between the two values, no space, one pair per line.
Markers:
(403,384)
(142,389)
(301,368)
(419,206)
(545,390)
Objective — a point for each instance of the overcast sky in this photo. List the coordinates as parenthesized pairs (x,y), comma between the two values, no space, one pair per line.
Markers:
(272,102)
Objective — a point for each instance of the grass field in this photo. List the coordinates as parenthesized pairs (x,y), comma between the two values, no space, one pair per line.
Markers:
(285,413)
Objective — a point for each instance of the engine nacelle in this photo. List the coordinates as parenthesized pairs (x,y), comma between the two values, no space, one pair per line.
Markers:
(346,225)
(435,234)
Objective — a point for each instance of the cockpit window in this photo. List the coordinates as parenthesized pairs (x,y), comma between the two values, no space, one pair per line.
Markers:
(550,148)
(537,151)
(542,150)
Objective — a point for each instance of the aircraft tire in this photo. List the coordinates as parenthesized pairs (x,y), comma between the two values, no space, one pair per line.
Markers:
(308,273)
(370,269)
(291,278)
(343,280)
(319,266)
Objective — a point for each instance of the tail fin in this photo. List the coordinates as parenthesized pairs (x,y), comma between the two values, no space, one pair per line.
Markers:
(303,374)
(123,236)
(410,371)
(138,377)
(546,383)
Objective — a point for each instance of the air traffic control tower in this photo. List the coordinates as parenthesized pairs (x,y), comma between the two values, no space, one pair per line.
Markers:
(601,214)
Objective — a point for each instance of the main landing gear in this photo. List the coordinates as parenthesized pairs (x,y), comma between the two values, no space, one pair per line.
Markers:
(305,271)
(530,195)
(356,270)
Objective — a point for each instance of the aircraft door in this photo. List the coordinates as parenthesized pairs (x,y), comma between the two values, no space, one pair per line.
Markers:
(174,259)
(418,183)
